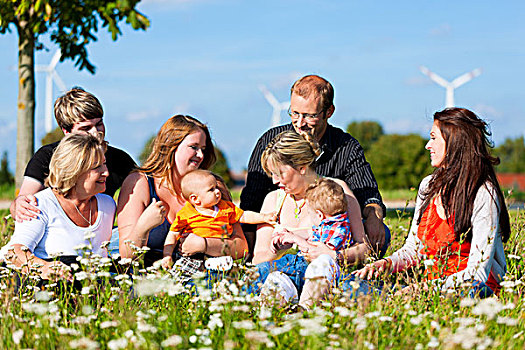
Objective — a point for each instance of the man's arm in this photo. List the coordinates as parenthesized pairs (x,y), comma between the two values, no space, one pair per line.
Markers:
(24,205)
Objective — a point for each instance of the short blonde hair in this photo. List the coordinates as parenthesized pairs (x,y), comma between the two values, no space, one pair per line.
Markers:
(190,182)
(290,148)
(76,105)
(75,154)
(170,136)
(327,196)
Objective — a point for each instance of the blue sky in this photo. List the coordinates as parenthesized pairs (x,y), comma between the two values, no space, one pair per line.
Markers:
(207,59)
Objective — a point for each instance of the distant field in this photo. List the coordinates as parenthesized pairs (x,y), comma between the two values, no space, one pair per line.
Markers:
(7,191)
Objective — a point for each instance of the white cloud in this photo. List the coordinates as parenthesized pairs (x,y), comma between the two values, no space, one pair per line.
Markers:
(418,80)
(443,29)
(142,115)
(487,112)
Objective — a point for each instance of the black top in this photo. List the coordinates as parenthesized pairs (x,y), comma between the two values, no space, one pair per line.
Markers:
(342,158)
(119,165)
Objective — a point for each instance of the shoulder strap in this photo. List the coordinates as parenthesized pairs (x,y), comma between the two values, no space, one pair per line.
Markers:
(151,184)
(281,196)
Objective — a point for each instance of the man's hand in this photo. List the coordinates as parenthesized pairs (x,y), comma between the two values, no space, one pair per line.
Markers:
(374,228)
(24,208)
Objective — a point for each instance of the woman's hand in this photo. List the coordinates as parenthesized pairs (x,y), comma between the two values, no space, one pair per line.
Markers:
(167,262)
(55,270)
(315,249)
(373,270)
(154,214)
(192,244)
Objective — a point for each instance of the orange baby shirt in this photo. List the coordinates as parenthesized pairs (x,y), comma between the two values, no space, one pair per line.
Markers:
(189,220)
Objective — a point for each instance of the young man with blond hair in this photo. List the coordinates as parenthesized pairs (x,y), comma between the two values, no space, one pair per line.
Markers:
(76,112)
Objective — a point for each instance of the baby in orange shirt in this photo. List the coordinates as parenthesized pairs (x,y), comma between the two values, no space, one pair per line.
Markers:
(206,214)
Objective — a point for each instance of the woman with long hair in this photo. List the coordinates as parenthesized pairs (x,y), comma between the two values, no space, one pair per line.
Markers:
(151,196)
(460,221)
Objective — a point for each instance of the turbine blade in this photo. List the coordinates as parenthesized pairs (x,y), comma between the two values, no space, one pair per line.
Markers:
(54,60)
(269,97)
(436,78)
(58,81)
(462,79)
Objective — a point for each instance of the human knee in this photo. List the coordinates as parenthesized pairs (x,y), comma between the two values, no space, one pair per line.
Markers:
(323,267)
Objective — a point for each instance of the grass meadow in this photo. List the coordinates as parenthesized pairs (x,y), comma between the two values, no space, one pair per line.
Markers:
(151,311)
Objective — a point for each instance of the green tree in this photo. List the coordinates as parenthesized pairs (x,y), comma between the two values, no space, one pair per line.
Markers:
(220,167)
(512,155)
(366,132)
(53,136)
(71,25)
(5,175)
(399,161)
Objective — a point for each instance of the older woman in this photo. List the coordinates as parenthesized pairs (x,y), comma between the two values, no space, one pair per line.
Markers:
(460,221)
(73,210)
(290,161)
(151,197)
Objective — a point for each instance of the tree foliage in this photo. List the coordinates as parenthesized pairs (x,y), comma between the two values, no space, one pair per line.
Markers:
(512,155)
(53,136)
(72,25)
(366,132)
(399,161)
(5,175)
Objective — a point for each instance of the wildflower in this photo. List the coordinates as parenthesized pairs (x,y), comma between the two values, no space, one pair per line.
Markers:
(260,337)
(81,275)
(280,330)
(42,296)
(433,343)
(373,314)
(67,331)
(360,323)
(173,340)
(83,343)
(17,336)
(108,324)
(143,327)
(245,324)
(117,344)
(215,321)
(369,345)
(507,321)
(343,311)
(515,257)
(416,320)
(385,319)
(467,302)
(85,290)
(489,307)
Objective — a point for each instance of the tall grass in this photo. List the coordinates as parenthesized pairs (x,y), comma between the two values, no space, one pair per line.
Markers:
(151,311)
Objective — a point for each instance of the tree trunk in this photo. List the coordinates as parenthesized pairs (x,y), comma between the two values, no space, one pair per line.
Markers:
(26,100)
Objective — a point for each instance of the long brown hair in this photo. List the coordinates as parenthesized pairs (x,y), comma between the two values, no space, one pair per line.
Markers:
(466,167)
(171,134)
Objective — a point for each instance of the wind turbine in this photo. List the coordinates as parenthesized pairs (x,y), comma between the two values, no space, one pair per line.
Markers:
(450,86)
(277,106)
(51,76)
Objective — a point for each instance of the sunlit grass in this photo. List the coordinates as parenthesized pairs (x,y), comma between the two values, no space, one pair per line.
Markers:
(150,310)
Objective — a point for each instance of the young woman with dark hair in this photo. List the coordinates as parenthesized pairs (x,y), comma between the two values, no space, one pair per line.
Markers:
(460,221)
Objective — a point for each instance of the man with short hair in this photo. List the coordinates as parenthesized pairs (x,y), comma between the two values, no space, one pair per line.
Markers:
(311,105)
(80,112)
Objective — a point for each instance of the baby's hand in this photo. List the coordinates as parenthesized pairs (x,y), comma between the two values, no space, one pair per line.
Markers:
(167,262)
(275,244)
(271,218)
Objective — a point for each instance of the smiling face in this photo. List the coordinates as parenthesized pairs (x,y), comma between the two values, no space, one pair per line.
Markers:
(92,181)
(208,194)
(437,146)
(190,153)
(88,126)
(301,106)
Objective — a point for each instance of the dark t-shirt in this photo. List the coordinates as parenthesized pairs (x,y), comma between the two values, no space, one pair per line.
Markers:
(119,165)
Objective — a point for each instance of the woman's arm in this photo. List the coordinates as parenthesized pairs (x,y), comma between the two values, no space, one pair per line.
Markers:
(135,215)
(486,252)
(24,258)
(262,251)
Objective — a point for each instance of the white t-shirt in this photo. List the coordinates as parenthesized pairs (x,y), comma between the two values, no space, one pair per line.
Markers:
(53,233)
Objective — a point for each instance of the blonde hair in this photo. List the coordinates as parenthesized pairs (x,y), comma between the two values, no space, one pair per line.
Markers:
(74,155)
(75,106)
(170,136)
(290,148)
(327,196)
(314,84)
(192,180)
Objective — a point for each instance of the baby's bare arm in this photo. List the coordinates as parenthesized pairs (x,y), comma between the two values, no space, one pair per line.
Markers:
(251,217)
